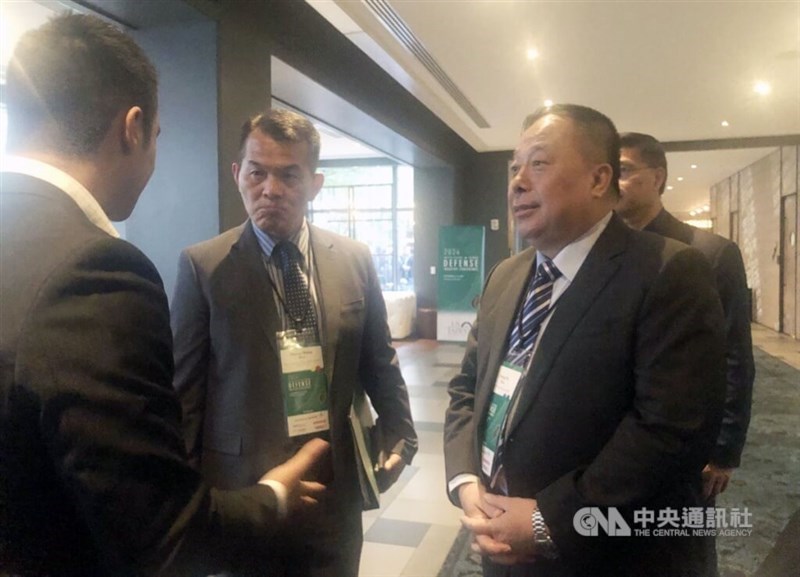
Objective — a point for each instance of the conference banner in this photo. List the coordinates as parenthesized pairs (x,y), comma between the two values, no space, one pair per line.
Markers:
(460,280)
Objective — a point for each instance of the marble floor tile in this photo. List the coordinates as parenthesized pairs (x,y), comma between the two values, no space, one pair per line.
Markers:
(381,560)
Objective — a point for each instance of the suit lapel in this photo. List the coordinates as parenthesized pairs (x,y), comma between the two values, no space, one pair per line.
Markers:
(597,270)
(246,258)
(502,318)
(327,273)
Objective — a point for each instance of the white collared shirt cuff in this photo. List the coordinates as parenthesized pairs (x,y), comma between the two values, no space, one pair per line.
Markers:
(281,495)
(457,481)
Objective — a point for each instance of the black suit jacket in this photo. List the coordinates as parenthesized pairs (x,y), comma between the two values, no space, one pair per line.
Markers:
(225,319)
(620,408)
(726,263)
(93,472)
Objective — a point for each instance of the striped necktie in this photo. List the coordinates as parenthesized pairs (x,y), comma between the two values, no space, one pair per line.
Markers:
(537,305)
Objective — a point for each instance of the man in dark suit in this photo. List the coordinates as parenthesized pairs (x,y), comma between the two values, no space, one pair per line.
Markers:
(643,178)
(94,478)
(605,392)
(233,323)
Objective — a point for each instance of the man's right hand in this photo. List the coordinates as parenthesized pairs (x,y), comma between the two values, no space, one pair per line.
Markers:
(470,495)
(291,473)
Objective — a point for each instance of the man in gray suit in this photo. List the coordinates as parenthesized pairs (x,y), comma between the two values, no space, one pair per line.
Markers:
(94,478)
(605,392)
(238,333)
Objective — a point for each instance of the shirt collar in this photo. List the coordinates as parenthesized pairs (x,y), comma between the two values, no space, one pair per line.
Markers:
(267,243)
(570,258)
(65,183)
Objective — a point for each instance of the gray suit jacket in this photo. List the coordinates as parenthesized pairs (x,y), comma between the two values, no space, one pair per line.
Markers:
(227,374)
(621,406)
(94,479)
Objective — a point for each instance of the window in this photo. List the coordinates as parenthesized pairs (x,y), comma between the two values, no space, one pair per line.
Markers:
(374,204)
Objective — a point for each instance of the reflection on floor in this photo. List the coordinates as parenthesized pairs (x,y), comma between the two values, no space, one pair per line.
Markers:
(413,530)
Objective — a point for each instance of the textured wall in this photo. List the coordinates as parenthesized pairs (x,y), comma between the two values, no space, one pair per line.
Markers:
(759,211)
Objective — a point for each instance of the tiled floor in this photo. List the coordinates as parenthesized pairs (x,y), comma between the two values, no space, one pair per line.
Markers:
(413,530)
(411,534)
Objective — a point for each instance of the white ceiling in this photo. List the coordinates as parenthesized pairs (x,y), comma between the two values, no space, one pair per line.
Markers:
(674,69)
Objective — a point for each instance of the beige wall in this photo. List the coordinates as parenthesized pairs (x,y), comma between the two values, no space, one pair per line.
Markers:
(756,192)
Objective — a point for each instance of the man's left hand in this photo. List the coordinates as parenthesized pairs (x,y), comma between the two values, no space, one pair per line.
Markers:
(387,475)
(510,529)
(715,480)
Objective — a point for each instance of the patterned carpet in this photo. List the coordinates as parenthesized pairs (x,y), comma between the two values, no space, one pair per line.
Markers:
(767,484)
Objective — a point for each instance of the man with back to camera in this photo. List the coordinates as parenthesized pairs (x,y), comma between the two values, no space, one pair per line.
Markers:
(593,377)
(643,178)
(273,287)
(94,478)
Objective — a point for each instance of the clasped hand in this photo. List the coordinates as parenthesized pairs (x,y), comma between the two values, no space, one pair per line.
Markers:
(501,526)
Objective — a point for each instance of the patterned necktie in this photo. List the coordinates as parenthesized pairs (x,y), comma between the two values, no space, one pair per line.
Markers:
(297,298)
(534,311)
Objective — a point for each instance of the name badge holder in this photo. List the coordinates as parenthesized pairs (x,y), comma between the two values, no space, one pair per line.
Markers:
(304,384)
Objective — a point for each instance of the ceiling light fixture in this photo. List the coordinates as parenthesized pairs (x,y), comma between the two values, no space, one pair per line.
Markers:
(532,54)
(548,103)
(694,166)
(725,123)
(680,179)
(670,187)
(762,88)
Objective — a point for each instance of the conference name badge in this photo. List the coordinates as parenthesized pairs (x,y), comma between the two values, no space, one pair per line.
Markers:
(507,380)
(305,387)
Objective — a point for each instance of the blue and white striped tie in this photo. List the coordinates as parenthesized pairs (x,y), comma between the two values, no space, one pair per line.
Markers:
(535,309)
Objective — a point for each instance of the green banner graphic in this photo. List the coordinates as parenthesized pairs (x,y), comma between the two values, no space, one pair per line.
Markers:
(460,279)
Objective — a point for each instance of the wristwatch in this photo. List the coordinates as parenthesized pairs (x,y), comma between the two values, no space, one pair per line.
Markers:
(541,537)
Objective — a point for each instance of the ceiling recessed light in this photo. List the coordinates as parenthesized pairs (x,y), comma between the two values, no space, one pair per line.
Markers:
(706,208)
(762,88)
(725,123)
(694,166)
(692,212)
(680,179)
(548,103)
(669,187)
(532,54)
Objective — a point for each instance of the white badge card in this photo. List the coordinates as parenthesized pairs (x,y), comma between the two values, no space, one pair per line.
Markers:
(305,387)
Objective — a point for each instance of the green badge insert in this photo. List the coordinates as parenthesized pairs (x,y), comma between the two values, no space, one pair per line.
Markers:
(305,388)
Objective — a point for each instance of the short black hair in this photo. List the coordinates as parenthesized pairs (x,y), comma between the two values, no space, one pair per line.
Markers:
(283,126)
(601,134)
(71,77)
(650,149)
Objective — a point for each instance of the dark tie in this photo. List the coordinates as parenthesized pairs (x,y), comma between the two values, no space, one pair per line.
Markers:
(297,299)
(534,311)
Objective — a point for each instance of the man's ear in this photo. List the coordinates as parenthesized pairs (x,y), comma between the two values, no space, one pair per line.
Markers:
(316,185)
(661,176)
(601,179)
(133,133)
(235,172)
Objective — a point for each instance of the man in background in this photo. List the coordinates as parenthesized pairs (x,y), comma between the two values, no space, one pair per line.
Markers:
(643,177)
(593,377)
(277,325)
(94,478)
